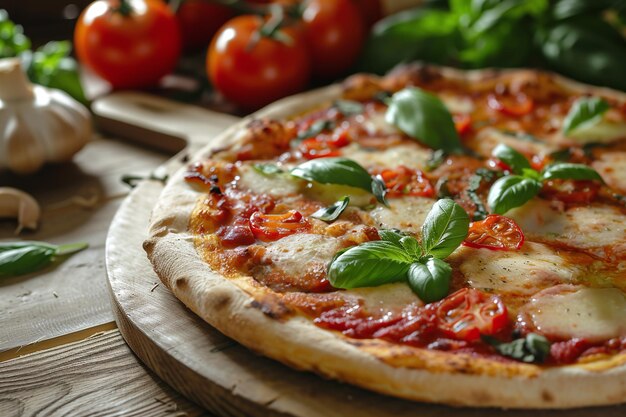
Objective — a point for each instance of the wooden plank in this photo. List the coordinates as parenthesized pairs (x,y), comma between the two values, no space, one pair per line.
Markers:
(98,376)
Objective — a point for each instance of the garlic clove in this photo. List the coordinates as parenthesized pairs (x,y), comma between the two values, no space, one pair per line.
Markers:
(21,206)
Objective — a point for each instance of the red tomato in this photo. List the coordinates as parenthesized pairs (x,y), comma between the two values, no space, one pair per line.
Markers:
(199,21)
(462,123)
(129,49)
(468,313)
(512,106)
(571,191)
(269,227)
(403,181)
(253,70)
(495,232)
(371,10)
(324,146)
(335,33)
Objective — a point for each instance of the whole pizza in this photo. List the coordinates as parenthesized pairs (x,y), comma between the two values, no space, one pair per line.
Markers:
(434,234)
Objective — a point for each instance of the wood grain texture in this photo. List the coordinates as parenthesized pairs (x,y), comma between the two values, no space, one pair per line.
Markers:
(72,295)
(98,376)
(220,374)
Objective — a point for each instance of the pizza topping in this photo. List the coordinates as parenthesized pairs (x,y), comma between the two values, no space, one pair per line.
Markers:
(519,105)
(332,212)
(468,313)
(462,123)
(423,117)
(398,257)
(324,146)
(404,181)
(496,233)
(269,227)
(533,348)
(584,113)
(570,191)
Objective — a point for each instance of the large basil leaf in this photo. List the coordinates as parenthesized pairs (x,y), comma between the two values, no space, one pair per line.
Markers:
(585,112)
(569,171)
(369,264)
(341,171)
(444,229)
(430,280)
(425,118)
(18,258)
(510,192)
(511,157)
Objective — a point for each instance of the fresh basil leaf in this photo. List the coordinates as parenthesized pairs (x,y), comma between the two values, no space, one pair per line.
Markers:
(267,169)
(349,107)
(6,246)
(569,171)
(444,228)
(585,112)
(340,171)
(379,189)
(436,158)
(332,212)
(392,235)
(12,39)
(511,157)
(412,247)
(507,9)
(430,280)
(531,173)
(315,129)
(475,180)
(369,264)
(511,191)
(424,117)
(533,348)
(19,258)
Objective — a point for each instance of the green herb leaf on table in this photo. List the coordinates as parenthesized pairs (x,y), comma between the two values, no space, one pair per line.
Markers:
(425,118)
(569,171)
(511,191)
(340,171)
(430,280)
(585,112)
(511,157)
(19,258)
(444,228)
(332,212)
(533,348)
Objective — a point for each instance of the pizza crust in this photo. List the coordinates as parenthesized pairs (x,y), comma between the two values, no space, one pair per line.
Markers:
(243,310)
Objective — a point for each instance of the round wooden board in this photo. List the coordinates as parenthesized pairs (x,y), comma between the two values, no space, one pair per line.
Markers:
(220,374)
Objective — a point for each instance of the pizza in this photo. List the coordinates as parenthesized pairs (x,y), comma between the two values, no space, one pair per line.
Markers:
(436,235)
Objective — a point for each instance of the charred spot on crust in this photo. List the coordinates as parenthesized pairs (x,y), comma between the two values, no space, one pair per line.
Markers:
(547,396)
(181,283)
(221,301)
(272,307)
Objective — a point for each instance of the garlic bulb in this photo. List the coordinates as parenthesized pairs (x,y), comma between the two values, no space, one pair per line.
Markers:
(37,124)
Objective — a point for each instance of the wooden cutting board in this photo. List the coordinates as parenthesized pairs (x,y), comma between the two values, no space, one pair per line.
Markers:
(191,356)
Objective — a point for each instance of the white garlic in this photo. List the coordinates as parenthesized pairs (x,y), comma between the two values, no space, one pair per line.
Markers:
(21,206)
(37,124)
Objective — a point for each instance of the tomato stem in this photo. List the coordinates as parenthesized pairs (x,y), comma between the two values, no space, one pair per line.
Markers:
(125,9)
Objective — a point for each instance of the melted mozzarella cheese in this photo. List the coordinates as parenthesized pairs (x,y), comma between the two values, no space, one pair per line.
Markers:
(374,123)
(612,167)
(489,138)
(589,227)
(525,271)
(275,185)
(604,132)
(409,154)
(301,252)
(591,313)
(385,298)
(456,104)
(406,213)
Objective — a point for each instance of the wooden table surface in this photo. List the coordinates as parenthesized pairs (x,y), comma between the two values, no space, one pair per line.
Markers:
(60,350)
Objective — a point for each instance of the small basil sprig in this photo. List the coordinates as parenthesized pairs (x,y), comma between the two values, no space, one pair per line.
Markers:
(516,190)
(425,118)
(332,212)
(19,258)
(533,348)
(585,112)
(349,107)
(399,257)
(315,129)
(341,171)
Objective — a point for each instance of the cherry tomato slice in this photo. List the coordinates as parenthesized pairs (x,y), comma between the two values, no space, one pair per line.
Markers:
(468,313)
(404,181)
(512,106)
(270,227)
(571,191)
(496,233)
(462,123)
(324,146)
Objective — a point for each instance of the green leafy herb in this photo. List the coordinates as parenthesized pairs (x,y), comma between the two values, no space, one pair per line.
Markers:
(12,39)
(332,212)
(340,171)
(425,118)
(19,258)
(475,181)
(315,129)
(515,190)
(436,158)
(444,228)
(533,348)
(267,169)
(400,257)
(349,107)
(585,112)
